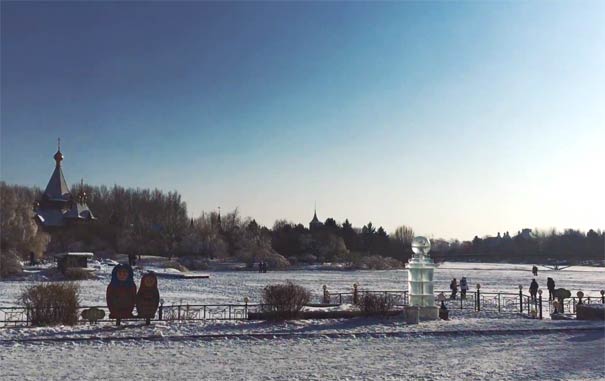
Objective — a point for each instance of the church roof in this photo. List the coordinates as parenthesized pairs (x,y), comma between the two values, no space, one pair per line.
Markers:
(57,188)
(79,211)
(315,221)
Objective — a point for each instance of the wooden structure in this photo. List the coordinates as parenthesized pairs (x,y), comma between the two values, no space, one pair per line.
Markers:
(72,260)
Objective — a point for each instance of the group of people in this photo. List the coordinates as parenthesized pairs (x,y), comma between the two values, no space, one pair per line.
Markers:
(533,287)
(550,285)
(463,288)
(262,267)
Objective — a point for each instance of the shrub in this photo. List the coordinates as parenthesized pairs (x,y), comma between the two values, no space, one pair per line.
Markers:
(9,263)
(75,273)
(375,304)
(52,303)
(285,300)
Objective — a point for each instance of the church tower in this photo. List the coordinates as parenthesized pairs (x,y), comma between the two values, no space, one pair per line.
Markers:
(58,207)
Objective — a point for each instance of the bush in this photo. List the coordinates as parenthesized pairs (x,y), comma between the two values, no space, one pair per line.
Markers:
(9,263)
(52,303)
(75,273)
(375,304)
(285,300)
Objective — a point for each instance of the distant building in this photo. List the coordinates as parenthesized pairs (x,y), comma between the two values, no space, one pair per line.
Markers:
(525,233)
(58,207)
(315,222)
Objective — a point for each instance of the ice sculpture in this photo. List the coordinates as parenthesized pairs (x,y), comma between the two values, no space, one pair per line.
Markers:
(420,279)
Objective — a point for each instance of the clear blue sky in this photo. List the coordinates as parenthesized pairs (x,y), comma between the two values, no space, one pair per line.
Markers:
(454,118)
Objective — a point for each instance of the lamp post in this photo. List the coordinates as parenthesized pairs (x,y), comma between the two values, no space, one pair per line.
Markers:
(478,297)
(540,301)
(326,295)
(521,299)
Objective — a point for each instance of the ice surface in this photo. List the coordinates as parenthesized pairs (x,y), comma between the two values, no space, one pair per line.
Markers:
(233,286)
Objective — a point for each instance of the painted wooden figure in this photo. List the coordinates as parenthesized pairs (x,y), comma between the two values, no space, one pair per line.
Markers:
(121,293)
(148,297)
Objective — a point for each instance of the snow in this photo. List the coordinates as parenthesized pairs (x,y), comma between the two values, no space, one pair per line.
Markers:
(232,286)
(466,348)
(471,345)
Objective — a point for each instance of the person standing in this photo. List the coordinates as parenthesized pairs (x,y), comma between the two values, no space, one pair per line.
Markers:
(533,289)
(550,284)
(463,288)
(454,288)
(534,270)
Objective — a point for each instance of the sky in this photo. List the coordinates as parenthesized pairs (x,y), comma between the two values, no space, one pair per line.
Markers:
(457,119)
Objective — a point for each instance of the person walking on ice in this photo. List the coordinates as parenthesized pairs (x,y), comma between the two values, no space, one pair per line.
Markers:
(533,289)
(463,288)
(550,284)
(454,288)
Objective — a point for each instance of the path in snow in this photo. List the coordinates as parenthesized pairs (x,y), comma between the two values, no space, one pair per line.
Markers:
(564,356)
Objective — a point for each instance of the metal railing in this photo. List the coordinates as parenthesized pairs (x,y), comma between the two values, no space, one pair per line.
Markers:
(501,302)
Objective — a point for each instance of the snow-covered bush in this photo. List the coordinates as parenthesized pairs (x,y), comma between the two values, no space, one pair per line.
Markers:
(375,304)
(52,303)
(285,300)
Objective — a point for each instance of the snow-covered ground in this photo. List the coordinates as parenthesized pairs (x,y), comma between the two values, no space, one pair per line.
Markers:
(233,286)
(470,346)
(465,348)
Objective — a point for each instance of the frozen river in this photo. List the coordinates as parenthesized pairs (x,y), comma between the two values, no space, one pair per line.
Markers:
(232,286)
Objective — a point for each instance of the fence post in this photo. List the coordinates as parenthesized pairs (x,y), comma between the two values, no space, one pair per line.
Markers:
(540,300)
(478,297)
(340,298)
(204,312)
(246,307)
(520,299)
(229,311)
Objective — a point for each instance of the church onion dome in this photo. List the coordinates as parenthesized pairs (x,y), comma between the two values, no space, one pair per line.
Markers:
(58,157)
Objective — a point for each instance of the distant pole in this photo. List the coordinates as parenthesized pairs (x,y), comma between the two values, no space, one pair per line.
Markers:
(520,299)
(540,301)
(478,297)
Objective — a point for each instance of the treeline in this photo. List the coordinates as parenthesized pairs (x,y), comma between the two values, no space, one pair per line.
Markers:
(540,245)
(143,221)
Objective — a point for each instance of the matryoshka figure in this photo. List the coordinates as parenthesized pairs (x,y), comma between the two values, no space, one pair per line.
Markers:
(121,293)
(148,297)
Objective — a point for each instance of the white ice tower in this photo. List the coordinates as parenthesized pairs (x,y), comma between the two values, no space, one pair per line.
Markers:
(420,280)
